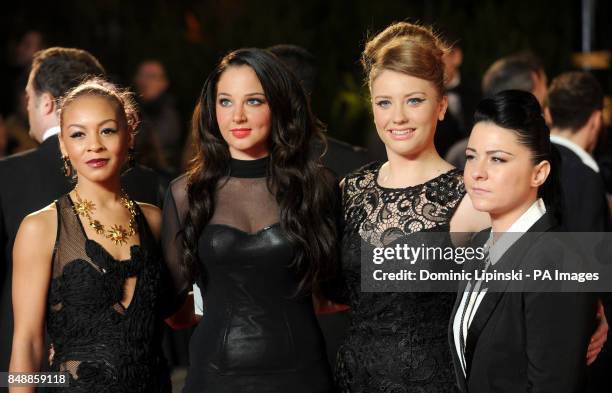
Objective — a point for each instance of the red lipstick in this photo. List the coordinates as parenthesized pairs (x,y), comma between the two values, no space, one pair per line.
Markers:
(240,132)
(97,162)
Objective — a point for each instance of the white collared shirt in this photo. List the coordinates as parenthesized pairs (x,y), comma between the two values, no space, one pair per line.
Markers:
(585,157)
(496,251)
(50,132)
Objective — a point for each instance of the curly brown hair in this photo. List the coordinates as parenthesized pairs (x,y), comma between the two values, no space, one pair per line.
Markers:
(122,99)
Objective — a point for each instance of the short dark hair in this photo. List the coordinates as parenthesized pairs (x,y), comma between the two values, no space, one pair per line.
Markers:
(300,61)
(57,70)
(520,112)
(514,72)
(572,99)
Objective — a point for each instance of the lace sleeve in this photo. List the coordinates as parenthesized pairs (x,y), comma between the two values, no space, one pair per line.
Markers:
(177,281)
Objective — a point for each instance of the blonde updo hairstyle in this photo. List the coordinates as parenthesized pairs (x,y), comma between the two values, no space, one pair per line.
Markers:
(121,99)
(407,48)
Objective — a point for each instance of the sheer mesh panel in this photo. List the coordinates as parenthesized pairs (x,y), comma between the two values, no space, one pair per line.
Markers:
(71,366)
(241,203)
(70,248)
(245,204)
(72,244)
(73,247)
(175,209)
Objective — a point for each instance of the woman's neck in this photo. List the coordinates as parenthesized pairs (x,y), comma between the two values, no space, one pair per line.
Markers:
(101,194)
(405,171)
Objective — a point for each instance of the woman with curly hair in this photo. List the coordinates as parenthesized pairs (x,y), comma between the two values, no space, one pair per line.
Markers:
(93,277)
(254,224)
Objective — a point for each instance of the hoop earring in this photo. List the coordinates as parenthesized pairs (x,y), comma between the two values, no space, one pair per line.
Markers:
(67,168)
(131,157)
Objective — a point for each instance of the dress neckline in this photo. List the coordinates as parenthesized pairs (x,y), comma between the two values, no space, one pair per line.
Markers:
(249,169)
(133,247)
(377,184)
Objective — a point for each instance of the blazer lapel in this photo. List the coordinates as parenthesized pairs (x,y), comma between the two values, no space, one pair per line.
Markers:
(490,301)
(477,241)
(461,382)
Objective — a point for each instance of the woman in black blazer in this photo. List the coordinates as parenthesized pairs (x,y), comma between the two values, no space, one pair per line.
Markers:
(504,341)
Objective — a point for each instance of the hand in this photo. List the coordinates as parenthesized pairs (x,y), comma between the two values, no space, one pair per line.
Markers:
(51,354)
(599,337)
(324,306)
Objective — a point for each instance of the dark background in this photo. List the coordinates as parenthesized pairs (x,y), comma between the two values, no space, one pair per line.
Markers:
(190,36)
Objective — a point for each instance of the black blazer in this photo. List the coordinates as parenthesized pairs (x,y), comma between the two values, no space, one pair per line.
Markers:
(30,181)
(526,342)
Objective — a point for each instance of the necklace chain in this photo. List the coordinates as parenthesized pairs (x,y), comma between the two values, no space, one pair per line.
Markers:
(116,233)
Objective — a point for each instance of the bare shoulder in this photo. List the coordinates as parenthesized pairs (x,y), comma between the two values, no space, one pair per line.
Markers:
(38,228)
(40,223)
(153,216)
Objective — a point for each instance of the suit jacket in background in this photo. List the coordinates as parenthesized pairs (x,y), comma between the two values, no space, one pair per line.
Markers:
(456,127)
(30,181)
(341,157)
(585,207)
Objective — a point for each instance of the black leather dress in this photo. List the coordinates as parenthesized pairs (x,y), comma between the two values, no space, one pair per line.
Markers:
(255,335)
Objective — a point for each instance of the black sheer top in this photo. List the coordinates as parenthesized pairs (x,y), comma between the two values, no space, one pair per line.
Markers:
(256,335)
(397,342)
(104,345)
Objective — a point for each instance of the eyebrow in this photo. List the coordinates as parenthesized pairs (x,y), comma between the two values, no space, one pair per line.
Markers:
(99,124)
(247,95)
(405,95)
(489,152)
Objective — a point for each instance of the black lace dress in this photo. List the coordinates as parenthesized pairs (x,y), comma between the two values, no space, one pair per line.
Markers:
(255,335)
(105,346)
(397,342)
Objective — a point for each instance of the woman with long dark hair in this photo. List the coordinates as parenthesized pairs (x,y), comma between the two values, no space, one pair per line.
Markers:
(254,224)
(505,341)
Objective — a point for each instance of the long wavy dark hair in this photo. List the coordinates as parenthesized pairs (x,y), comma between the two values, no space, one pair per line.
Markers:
(306,195)
(520,112)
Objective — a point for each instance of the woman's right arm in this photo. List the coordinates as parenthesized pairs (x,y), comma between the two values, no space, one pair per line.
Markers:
(32,261)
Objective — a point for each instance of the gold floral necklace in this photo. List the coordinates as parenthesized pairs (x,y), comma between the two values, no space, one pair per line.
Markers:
(117,233)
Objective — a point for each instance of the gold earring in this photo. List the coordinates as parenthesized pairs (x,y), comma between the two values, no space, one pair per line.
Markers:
(68,170)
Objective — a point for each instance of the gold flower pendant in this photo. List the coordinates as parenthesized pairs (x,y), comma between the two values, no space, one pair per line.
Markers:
(116,233)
